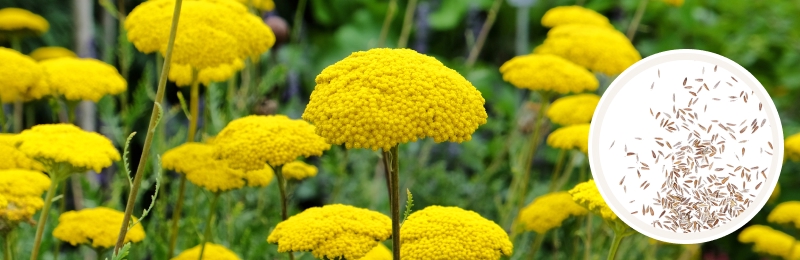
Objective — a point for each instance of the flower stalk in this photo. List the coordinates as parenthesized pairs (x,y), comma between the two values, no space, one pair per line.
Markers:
(16,44)
(284,198)
(392,176)
(537,243)
(9,246)
(48,201)
(207,232)
(532,147)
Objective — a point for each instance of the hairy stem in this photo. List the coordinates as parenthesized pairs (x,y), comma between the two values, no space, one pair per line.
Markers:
(394,196)
(48,200)
(407,22)
(387,22)
(487,25)
(284,198)
(207,230)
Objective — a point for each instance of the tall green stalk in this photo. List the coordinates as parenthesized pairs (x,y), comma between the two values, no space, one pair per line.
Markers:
(532,147)
(487,25)
(194,111)
(55,178)
(612,253)
(537,243)
(154,117)
(392,177)
(207,230)
(9,246)
(407,22)
(387,22)
(562,155)
(284,197)
(637,18)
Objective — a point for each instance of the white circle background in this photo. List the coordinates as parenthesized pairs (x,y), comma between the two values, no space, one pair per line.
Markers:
(606,125)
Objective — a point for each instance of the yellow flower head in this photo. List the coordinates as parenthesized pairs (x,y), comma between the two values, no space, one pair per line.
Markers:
(574,14)
(21,78)
(769,241)
(15,159)
(675,3)
(182,74)
(263,5)
(298,170)
(379,252)
(549,211)
(791,148)
(96,227)
(83,79)
(786,213)
(332,231)
(383,97)
(572,110)
(22,191)
(438,232)
(545,72)
(212,252)
(598,48)
(248,142)
(570,137)
(18,20)
(197,161)
(587,195)
(53,144)
(46,53)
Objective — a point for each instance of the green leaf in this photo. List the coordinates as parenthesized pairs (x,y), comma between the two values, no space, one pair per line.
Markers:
(123,252)
(110,8)
(154,196)
(409,205)
(125,155)
(183,105)
(275,76)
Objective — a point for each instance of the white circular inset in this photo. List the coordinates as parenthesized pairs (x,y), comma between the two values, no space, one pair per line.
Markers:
(686,146)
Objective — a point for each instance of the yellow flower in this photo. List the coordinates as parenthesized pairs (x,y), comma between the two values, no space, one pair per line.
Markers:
(248,142)
(46,53)
(792,147)
(769,241)
(574,14)
(298,170)
(549,211)
(21,78)
(675,3)
(212,252)
(83,79)
(775,194)
(21,20)
(570,137)
(96,227)
(15,159)
(575,109)
(786,213)
(57,144)
(379,252)
(263,5)
(546,72)
(332,231)
(22,191)
(598,48)
(182,74)
(197,161)
(383,97)
(438,232)
(587,195)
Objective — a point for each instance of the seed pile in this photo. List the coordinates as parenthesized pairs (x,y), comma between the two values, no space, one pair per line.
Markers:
(707,180)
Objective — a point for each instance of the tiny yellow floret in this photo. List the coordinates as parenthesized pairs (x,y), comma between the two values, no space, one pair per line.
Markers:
(263,5)
(380,252)
(570,137)
(212,252)
(21,78)
(791,148)
(22,192)
(786,213)
(599,49)
(83,79)
(57,144)
(549,211)
(545,72)
(298,170)
(13,158)
(46,53)
(768,241)
(96,227)
(197,162)
(574,14)
(574,109)
(16,20)
(182,74)
(587,195)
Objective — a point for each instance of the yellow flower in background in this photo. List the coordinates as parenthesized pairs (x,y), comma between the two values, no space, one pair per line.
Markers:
(18,20)
(776,193)
(769,241)
(791,148)
(22,192)
(379,252)
(96,227)
(298,170)
(212,252)
(21,78)
(197,162)
(380,98)
(248,142)
(83,79)
(332,231)
(786,213)
(675,3)
(182,74)
(438,232)
(574,109)
(570,137)
(546,72)
(574,14)
(549,211)
(14,159)
(259,178)
(46,53)
(587,195)
(263,5)
(599,49)
(57,144)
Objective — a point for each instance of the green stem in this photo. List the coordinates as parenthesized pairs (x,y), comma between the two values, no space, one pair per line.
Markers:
(9,246)
(2,118)
(394,197)
(387,22)
(18,116)
(637,18)
(176,216)
(487,25)
(162,83)
(99,251)
(62,206)
(48,200)
(298,20)
(71,107)
(284,198)
(207,234)
(562,154)
(521,40)
(588,241)
(612,253)
(194,106)
(407,22)
(537,243)
(532,147)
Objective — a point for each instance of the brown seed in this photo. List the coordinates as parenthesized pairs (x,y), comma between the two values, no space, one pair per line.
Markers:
(759,106)
(742,151)
(742,131)
(770,145)
(758,185)
(652,85)
(734,79)
(623,179)
(684,81)
(651,111)
(612,144)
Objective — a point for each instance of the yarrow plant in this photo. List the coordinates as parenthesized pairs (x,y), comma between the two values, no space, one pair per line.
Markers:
(95,227)
(212,252)
(587,195)
(52,52)
(769,241)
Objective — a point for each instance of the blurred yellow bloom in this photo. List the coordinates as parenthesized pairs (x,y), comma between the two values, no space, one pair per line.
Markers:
(182,74)
(21,191)
(197,161)
(769,241)
(574,14)
(298,170)
(212,252)
(547,72)
(792,147)
(332,231)
(776,193)
(379,252)
(380,98)
(83,79)
(575,109)
(20,20)
(46,53)
(598,48)
(13,158)
(570,137)
(587,195)
(549,211)
(56,144)
(248,142)
(676,3)
(96,227)
(786,213)
(438,232)
(21,77)
(263,5)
